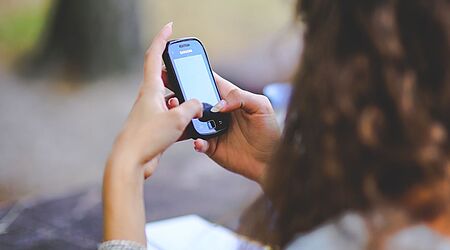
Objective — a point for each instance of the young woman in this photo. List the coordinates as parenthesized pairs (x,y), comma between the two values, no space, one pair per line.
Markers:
(364,159)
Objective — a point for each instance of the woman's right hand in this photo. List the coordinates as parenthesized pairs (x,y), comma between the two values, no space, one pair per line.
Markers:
(252,136)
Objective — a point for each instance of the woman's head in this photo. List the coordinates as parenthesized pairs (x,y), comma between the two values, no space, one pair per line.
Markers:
(369,118)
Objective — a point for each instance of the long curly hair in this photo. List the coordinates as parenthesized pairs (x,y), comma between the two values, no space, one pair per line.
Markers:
(368,121)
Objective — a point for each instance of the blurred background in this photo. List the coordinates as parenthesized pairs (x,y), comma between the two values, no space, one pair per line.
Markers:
(69,73)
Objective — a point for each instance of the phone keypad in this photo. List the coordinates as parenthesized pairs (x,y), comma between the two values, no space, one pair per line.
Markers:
(211,124)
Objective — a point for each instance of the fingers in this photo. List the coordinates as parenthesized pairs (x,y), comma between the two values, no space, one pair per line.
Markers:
(207,147)
(224,85)
(184,113)
(166,80)
(153,56)
(191,109)
(241,99)
(164,77)
(201,145)
(173,103)
(236,98)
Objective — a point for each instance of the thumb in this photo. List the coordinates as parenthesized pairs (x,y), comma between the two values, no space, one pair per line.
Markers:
(241,99)
(184,113)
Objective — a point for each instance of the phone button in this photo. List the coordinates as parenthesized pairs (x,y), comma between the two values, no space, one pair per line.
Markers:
(211,124)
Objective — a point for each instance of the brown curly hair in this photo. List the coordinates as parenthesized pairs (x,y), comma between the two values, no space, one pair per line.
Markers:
(368,121)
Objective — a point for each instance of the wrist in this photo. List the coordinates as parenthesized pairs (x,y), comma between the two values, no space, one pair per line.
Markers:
(124,150)
(123,205)
(123,167)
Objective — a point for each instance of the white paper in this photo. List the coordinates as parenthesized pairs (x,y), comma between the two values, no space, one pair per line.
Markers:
(190,232)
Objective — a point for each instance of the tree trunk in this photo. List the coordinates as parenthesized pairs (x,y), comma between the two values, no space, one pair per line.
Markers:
(90,38)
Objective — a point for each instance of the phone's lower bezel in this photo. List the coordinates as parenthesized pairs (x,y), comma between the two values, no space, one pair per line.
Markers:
(194,134)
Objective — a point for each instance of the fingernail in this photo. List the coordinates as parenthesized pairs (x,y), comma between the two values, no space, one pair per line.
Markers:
(170,24)
(219,106)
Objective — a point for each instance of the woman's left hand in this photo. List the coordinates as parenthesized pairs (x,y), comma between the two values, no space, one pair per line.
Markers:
(149,130)
(151,127)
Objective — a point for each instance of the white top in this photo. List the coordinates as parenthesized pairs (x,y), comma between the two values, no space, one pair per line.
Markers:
(350,233)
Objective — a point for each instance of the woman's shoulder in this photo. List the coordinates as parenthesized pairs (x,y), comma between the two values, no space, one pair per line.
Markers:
(346,233)
(350,233)
(420,237)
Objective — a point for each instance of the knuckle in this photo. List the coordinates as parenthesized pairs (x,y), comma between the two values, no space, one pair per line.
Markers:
(266,105)
(196,103)
(234,93)
(264,99)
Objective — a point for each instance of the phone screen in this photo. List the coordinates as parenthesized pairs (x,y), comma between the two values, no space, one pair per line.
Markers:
(195,79)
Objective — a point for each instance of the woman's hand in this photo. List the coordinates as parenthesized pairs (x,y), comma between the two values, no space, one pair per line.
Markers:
(252,136)
(150,128)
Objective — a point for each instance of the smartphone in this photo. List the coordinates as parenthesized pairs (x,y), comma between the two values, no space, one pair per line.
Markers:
(191,77)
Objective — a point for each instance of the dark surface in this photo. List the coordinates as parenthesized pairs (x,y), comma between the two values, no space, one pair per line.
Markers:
(61,223)
(74,221)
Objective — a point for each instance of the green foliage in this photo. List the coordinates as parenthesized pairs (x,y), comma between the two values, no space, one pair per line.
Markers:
(20,28)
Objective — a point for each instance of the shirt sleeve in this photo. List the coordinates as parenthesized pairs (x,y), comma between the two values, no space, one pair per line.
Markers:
(121,245)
